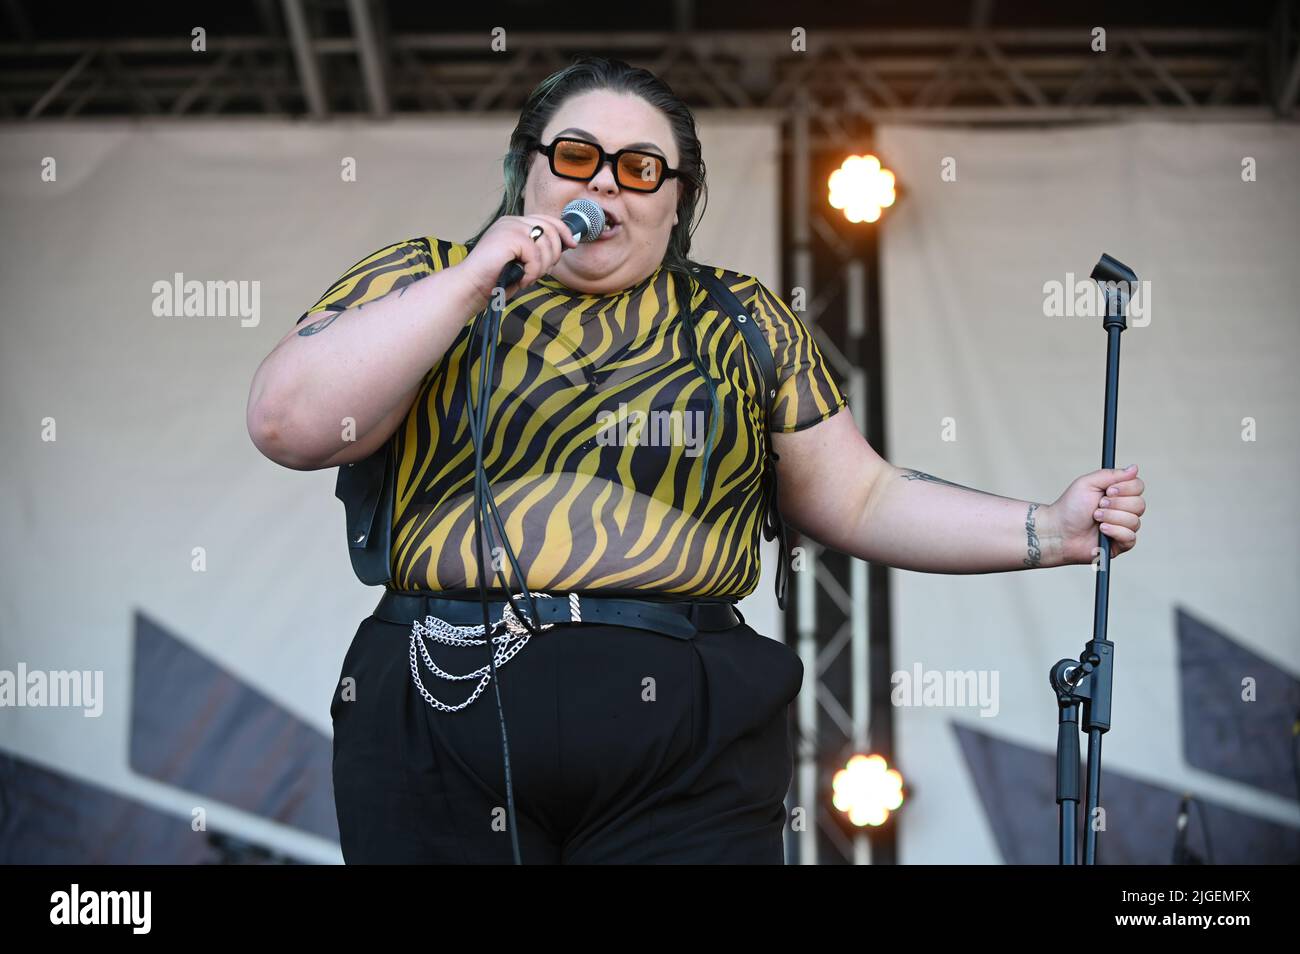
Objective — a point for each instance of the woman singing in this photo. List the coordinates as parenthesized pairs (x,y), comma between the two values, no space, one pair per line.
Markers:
(625,447)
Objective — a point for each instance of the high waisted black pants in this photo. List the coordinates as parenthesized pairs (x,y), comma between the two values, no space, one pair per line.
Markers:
(626,746)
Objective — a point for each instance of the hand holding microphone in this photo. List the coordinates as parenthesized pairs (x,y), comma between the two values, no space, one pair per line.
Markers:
(517,250)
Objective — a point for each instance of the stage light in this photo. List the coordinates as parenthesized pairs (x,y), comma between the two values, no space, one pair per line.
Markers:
(866,790)
(860,188)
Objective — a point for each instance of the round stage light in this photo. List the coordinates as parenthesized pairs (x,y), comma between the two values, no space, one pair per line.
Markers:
(866,790)
(861,189)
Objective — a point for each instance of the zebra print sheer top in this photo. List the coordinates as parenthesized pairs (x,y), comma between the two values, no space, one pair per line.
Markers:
(625,444)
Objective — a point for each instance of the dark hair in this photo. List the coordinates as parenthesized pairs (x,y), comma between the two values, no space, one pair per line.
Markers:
(584,74)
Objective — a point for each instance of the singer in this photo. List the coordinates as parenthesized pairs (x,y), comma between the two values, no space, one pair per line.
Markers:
(646,721)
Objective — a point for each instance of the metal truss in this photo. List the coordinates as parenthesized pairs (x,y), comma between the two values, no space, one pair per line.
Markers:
(840,624)
(972,75)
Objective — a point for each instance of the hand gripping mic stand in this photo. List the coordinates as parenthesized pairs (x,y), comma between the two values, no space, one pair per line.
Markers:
(1086,682)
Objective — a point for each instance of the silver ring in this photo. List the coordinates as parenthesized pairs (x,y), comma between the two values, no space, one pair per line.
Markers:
(536,232)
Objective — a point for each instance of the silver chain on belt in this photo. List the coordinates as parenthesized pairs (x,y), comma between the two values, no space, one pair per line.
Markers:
(508,643)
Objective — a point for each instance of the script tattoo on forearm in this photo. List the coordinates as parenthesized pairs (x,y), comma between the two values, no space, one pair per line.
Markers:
(1035,557)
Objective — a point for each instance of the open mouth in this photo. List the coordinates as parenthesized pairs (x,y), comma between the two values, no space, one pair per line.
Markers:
(612,225)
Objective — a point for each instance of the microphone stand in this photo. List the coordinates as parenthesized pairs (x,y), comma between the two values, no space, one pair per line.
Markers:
(1182,854)
(1085,683)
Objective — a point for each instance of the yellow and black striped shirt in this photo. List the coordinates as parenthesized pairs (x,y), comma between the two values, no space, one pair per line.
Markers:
(596,434)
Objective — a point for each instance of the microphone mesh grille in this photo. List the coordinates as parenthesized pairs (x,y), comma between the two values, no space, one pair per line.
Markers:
(592,213)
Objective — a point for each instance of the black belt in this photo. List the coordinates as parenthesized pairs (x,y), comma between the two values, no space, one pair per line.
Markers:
(681,619)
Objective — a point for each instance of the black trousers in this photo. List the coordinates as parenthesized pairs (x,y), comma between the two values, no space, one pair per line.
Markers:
(626,746)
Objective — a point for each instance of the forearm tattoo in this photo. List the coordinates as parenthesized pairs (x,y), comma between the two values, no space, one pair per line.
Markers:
(1035,557)
(922,475)
(1035,552)
(910,474)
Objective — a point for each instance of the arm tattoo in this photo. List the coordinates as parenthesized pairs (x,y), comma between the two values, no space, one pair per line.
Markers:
(336,310)
(1035,552)
(1035,557)
(921,475)
(909,474)
(318,326)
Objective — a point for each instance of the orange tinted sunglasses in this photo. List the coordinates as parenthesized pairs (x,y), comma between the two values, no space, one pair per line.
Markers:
(581,160)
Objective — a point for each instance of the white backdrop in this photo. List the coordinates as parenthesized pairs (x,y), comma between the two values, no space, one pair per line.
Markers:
(152,458)
(966,338)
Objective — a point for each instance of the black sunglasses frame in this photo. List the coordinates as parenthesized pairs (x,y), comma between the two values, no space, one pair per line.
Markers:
(602,158)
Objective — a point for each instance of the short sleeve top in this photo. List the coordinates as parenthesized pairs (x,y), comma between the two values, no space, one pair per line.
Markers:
(596,439)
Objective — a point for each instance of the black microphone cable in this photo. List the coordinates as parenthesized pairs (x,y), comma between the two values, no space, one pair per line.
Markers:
(485,505)
(483,502)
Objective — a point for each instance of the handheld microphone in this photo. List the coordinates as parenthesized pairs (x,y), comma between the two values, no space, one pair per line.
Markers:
(585,219)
